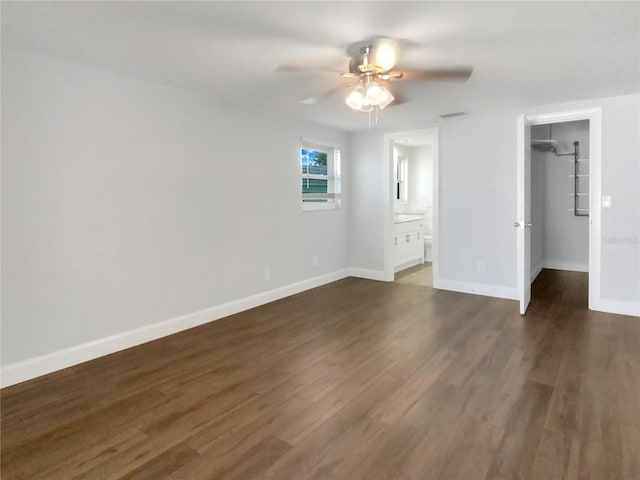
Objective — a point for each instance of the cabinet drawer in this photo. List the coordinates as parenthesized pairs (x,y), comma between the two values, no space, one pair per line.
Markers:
(409,237)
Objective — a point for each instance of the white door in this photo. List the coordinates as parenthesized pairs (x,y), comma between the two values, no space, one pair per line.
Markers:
(523,221)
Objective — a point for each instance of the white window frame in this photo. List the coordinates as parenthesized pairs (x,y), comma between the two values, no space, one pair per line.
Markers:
(333,195)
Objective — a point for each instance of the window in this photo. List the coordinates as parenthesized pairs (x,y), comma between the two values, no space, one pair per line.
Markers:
(400,178)
(320,175)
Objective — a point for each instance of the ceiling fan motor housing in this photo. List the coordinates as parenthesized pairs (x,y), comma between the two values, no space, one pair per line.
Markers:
(362,64)
(370,68)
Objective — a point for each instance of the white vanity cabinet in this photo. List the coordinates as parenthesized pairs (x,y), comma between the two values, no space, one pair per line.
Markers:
(408,242)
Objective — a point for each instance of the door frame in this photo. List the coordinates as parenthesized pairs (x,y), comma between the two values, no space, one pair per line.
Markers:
(434,134)
(594,115)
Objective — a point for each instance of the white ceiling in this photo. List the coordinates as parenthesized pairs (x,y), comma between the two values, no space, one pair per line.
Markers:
(523,53)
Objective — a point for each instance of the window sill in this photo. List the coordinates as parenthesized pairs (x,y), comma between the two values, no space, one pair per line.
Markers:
(309,207)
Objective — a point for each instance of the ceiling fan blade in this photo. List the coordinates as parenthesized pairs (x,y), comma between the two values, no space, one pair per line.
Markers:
(295,68)
(452,73)
(313,99)
(390,76)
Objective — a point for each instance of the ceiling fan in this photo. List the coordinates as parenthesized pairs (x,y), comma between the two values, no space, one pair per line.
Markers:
(372,68)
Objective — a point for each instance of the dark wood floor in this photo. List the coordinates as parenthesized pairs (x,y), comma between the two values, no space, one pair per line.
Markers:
(353,380)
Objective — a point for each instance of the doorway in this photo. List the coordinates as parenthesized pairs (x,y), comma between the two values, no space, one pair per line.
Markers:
(558,198)
(411,223)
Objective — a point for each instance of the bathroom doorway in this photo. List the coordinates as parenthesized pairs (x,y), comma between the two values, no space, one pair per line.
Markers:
(411,238)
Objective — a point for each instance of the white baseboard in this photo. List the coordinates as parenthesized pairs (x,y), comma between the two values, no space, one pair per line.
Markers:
(476,288)
(619,307)
(35,367)
(570,267)
(409,264)
(368,274)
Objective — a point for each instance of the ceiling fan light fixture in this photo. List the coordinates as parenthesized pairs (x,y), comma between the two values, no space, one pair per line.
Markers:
(388,98)
(385,55)
(378,95)
(366,107)
(356,98)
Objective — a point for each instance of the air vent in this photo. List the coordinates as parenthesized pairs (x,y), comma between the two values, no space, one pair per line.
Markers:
(454,114)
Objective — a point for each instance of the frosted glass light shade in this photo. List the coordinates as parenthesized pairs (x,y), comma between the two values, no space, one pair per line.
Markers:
(356,98)
(364,99)
(387,98)
(366,107)
(378,95)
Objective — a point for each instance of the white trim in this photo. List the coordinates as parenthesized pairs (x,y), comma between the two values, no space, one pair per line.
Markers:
(435,209)
(594,115)
(522,286)
(320,143)
(486,289)
(595,214)
(319,206)
(35,367)
(568,266)
(409,264)
(619,307)
(368,274)
(434,133)
(561,117)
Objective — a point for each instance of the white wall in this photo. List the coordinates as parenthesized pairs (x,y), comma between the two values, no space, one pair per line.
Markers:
(126,203)
(565,236)
(367,201)
(421,178)
(478,198)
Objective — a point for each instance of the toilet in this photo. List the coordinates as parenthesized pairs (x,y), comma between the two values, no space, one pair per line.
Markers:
(428,246)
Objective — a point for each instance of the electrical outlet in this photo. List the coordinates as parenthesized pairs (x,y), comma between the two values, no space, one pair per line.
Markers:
(481,267)
(267,275)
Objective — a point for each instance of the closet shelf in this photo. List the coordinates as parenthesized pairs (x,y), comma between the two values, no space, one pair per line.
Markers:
(550,146)
(578,210)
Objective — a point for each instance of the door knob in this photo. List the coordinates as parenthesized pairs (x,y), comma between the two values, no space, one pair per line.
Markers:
(516,224)
(526,225)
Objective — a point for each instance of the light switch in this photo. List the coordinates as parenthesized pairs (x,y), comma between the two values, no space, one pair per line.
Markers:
(606,201)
